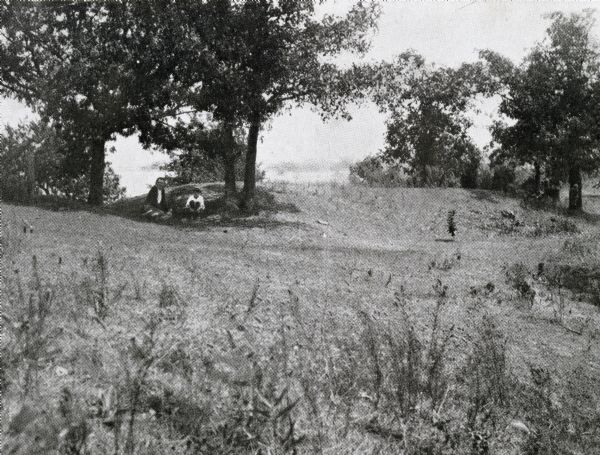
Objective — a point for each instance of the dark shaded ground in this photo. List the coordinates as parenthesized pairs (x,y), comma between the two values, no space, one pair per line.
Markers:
(213,194)
(218,213)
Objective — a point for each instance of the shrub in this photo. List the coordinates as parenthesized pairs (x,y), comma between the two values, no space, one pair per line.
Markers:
(194,167)
(553,225)
(77,188)
(485,178)
(373,171)
(437,176)
(451,222)
(576,277)
(503,178)
(470,176)
(376,171)
(196,155)
(518,277)
(575,267)
(35,161)
(529,185)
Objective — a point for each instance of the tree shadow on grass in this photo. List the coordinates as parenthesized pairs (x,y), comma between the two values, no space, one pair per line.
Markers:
(592,218)
(217,213)
(591,204)
(586,215)
(484,195)
(226,223)
(590,214)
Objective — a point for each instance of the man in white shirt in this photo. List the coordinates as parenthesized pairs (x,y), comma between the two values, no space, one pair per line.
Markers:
(194,204)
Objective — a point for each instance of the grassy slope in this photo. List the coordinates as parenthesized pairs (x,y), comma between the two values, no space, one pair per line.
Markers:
(388,231)
(371,235)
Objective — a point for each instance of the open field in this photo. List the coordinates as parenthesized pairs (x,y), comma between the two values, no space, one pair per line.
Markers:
(343,319)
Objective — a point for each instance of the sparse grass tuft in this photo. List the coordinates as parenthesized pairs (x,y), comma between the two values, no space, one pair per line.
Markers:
(576,267)
(97,290)
(169,297)
(518,277)
(30,335)
(446,262)
(553,225)
(279,379)
(487,377)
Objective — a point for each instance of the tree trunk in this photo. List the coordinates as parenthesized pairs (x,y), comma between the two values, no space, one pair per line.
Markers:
(30,178)
(97,166)
(229,162)
(250,170)
(425,175)
(575,199)
(537,177)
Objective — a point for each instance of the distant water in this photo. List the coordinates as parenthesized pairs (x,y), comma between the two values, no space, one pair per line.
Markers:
(309,176)
(138,182)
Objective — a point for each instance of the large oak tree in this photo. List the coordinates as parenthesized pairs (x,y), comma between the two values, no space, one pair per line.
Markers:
(93,69)
(250,60)
(428,121)
(553,99)
(273,54)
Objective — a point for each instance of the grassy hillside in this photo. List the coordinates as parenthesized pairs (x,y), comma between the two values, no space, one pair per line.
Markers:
(339,319)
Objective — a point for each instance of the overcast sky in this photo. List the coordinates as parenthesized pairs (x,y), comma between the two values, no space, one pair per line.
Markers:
(444,32)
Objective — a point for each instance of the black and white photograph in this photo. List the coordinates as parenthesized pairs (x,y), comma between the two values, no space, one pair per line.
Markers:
(304,227)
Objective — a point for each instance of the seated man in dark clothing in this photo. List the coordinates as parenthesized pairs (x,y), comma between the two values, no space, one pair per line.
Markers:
(156,205)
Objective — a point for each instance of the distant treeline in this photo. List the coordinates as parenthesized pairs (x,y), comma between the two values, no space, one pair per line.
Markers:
(200,79)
